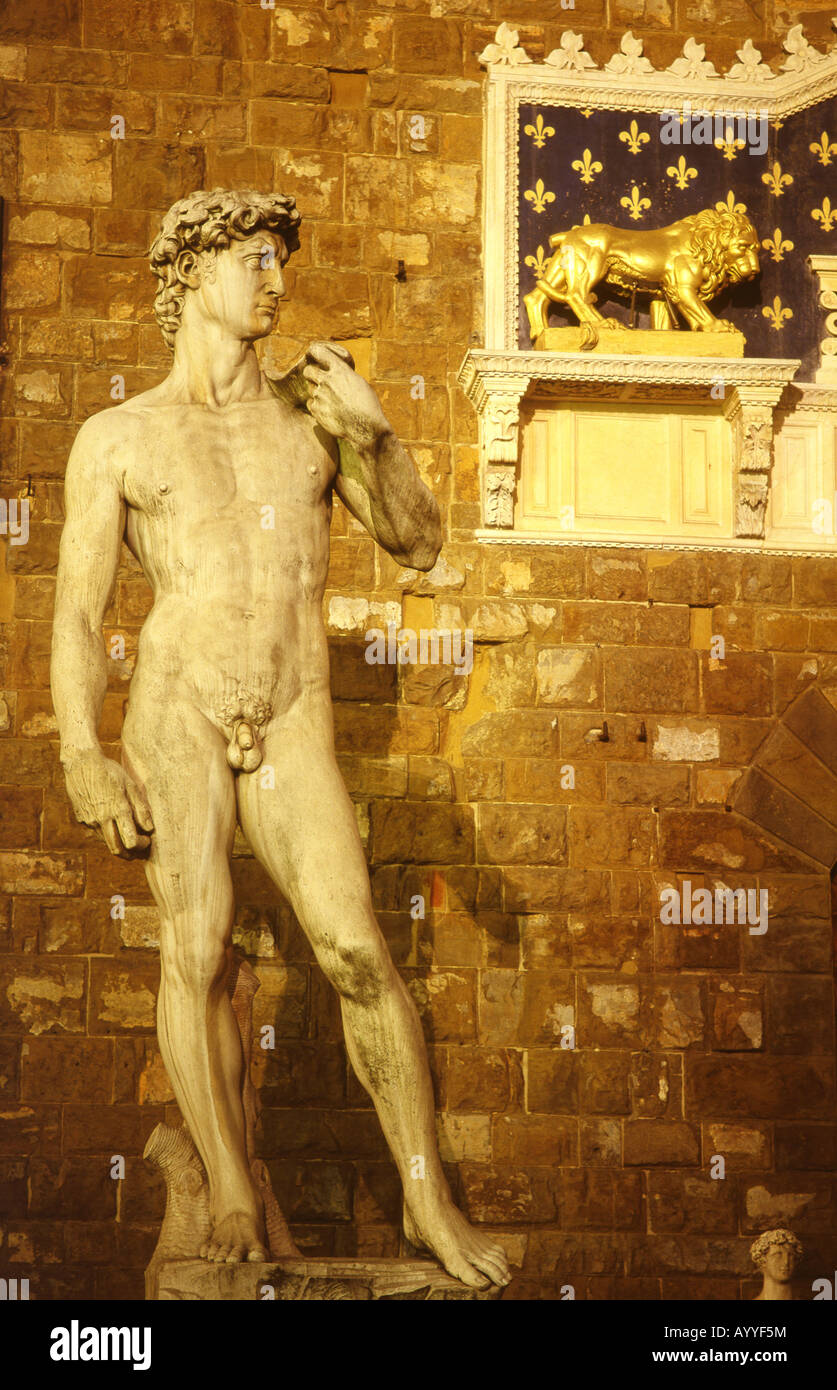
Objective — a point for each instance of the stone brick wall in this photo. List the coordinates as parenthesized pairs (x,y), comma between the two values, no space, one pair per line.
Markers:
(542,900)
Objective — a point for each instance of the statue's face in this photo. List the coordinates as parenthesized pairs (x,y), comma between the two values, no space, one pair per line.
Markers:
(779,1263)
(244,284)
(742,257)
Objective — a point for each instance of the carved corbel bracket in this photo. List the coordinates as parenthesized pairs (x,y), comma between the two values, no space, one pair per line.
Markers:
(825,267)
(749,410)
(497,401)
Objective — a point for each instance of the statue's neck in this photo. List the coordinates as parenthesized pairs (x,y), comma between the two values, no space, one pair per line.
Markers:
(775,1292)
(212,368)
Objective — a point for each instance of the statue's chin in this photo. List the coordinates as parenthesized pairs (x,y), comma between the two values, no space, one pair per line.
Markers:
(262,323)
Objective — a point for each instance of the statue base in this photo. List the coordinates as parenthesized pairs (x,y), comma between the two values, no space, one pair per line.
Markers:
(300,1278)
(645,342)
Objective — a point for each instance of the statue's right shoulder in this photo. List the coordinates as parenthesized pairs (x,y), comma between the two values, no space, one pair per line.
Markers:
(102,441)
(120,420)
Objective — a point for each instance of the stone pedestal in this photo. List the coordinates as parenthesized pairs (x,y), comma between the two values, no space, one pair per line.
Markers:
(740,394)
(644,342)
(294,1278)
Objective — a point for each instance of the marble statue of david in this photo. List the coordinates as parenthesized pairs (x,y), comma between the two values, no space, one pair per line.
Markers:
(232,671)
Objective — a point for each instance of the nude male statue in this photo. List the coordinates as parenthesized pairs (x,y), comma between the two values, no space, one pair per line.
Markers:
(232,670)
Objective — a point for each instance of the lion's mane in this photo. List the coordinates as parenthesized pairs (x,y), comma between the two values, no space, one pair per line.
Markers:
(710,234)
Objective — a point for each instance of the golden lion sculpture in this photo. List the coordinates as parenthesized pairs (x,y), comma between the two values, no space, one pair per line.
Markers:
(681,266)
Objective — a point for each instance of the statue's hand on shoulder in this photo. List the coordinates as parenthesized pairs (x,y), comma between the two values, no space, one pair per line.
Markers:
(103,796)
(341,401)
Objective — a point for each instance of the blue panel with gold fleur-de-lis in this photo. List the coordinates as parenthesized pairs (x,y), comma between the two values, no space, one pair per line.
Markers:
(616,166)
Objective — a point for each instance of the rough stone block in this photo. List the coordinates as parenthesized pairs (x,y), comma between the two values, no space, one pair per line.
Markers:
(665,1142)
(59,168)
(693,1204)
(759,1087)
(521,835)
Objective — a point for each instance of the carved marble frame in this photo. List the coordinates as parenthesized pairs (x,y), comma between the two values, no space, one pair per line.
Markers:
(628,81)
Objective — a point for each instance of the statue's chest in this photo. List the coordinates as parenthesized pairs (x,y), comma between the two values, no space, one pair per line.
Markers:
(208,463)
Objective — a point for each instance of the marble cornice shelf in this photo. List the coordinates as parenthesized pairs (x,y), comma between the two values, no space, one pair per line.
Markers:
(745,391)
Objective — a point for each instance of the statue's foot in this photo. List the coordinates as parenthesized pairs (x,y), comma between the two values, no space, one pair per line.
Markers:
(238,1237)
(465,1252)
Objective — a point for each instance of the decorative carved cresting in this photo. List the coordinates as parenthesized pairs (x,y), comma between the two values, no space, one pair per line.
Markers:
(505,49)
(826,268)
(692,65)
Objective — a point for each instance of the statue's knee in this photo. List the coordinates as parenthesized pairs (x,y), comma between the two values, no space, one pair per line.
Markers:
(196,961)
(358,972)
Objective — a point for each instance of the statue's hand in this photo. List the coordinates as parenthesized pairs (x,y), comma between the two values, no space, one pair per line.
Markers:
(104,796)
(342,402)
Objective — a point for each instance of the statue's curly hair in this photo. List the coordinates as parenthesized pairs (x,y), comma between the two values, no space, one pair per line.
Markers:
(761,1247)
(209,221)
(711,232)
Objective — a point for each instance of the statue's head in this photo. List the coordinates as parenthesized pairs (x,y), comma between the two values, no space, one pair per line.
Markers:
(777,1254)
(227,248)
(726,244)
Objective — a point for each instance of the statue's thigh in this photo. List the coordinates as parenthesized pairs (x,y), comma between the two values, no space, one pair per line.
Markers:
(300,823)
(179,758)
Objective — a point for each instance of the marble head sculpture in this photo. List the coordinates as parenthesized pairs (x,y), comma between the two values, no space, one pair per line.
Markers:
(776,1254)
(221,484)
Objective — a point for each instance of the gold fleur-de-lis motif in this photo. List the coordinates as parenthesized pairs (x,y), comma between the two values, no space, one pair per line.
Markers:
(634,138)
(587,112)
(825,215)
(730,205)
(776,245)
(776,313)
(539,132)
(537,262)
(776,180)
(824,148)
(539,196)
(682,172)
(730,145)
(587,167)
(635,204)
